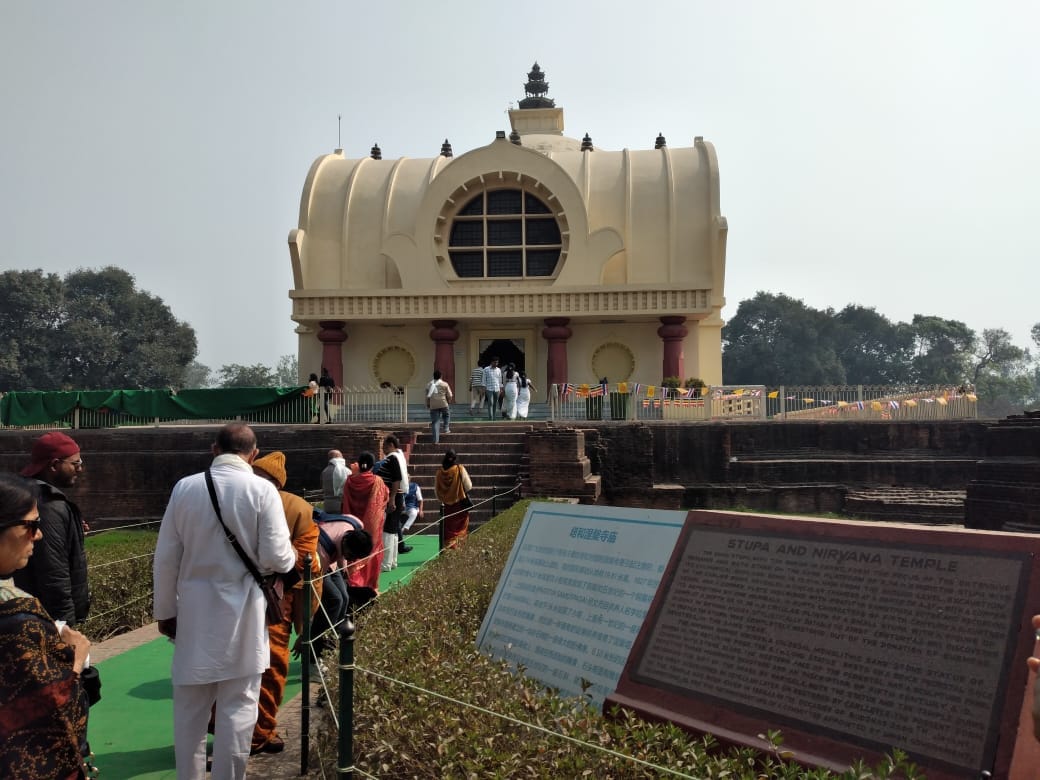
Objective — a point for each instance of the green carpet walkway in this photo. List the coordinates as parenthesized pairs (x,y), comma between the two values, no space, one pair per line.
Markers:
(131,728)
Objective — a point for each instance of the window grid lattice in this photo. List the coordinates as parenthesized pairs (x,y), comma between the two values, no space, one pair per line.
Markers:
(505,233)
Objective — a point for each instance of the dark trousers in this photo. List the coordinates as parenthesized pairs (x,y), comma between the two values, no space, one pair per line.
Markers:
(334,601)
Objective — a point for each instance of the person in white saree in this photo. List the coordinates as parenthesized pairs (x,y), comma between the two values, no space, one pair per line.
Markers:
(208,603)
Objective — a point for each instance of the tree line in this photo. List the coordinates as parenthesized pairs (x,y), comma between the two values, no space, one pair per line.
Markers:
(774,339)
(94,330)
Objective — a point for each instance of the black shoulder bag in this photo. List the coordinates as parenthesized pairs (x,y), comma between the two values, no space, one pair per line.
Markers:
(273,585)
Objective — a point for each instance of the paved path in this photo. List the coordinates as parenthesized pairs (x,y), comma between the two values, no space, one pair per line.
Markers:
(131,728)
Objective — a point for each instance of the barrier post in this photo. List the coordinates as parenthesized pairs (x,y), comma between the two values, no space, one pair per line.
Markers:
(345,764)
(440,531)
(305,665)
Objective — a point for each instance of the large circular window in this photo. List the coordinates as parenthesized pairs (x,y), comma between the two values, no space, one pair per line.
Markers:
(504,233)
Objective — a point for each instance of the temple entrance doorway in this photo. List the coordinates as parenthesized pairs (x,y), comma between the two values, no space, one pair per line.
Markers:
(506,350)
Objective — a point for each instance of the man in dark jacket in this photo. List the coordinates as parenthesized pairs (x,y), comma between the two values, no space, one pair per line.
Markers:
(57,570)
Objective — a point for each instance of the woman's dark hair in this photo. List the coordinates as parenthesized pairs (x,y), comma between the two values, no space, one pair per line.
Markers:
(449,459)
(523,379)
(314,378)
(17,498)
(365,461)
(510,372)
(356,544)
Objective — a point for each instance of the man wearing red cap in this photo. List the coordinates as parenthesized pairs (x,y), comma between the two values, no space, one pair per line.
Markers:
(57,570)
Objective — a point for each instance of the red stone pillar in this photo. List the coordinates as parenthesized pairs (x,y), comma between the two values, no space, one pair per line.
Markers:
(444,337)
(672,333)
(332,337)
(556,333)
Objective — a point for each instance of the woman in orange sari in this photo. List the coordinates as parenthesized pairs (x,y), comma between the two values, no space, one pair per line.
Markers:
(452,485)
(365,496)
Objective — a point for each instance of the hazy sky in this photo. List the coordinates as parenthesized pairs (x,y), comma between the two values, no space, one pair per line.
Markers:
(886,153)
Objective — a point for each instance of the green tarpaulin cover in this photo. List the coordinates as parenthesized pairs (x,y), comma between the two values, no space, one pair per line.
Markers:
(20,408)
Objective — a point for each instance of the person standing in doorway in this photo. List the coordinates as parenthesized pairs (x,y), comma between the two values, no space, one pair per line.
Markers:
(493,387)
(57,571)
(207,601)
(438,401)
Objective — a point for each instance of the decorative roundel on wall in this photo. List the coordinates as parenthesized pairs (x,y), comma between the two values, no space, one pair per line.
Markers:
(394,365)
(614,361)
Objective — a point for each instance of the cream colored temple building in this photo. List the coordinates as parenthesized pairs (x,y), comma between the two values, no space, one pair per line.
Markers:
(572,262)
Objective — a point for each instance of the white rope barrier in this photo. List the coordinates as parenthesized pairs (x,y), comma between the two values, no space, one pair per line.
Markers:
(532,726)
(122,527)
(119,608)
(121,560)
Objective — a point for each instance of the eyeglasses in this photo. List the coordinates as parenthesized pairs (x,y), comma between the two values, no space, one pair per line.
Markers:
(33,525)
(76,464)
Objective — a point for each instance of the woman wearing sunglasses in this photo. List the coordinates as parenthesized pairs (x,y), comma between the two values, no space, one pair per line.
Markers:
(43,712)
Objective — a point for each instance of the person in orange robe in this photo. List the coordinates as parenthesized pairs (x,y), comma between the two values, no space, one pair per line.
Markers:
(365,496)
(304,534)
(452,485)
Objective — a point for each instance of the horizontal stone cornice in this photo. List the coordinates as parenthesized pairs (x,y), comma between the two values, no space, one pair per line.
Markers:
(629,303)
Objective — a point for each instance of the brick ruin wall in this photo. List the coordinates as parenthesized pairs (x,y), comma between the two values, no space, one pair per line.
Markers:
(130,472)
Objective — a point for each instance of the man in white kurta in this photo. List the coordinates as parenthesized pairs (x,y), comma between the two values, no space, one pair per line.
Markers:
(209,604)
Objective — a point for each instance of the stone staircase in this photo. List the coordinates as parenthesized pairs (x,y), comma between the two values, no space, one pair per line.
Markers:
(494,454)
(906,504)
(418,413)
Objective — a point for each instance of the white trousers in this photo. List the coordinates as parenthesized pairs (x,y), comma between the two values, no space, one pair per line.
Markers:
(412,512)
(236,709)
(389,551)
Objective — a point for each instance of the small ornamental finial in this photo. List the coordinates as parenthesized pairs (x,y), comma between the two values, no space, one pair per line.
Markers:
(515,137)
(446,149)
(660,143)
(586,144)
(377,153)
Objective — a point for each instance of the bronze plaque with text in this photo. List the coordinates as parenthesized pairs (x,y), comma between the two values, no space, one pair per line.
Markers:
(858,636)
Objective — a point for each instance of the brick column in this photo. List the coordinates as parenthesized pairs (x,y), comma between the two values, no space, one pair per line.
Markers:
(672,333)
(332,337)
(556,333)
(444,337)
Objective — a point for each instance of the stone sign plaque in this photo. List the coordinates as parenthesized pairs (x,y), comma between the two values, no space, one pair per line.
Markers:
(575,590)
(850,638)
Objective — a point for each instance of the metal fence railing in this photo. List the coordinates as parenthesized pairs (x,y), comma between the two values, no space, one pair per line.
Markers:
(871,402)
(351,405)
(618,401)
(636,401)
